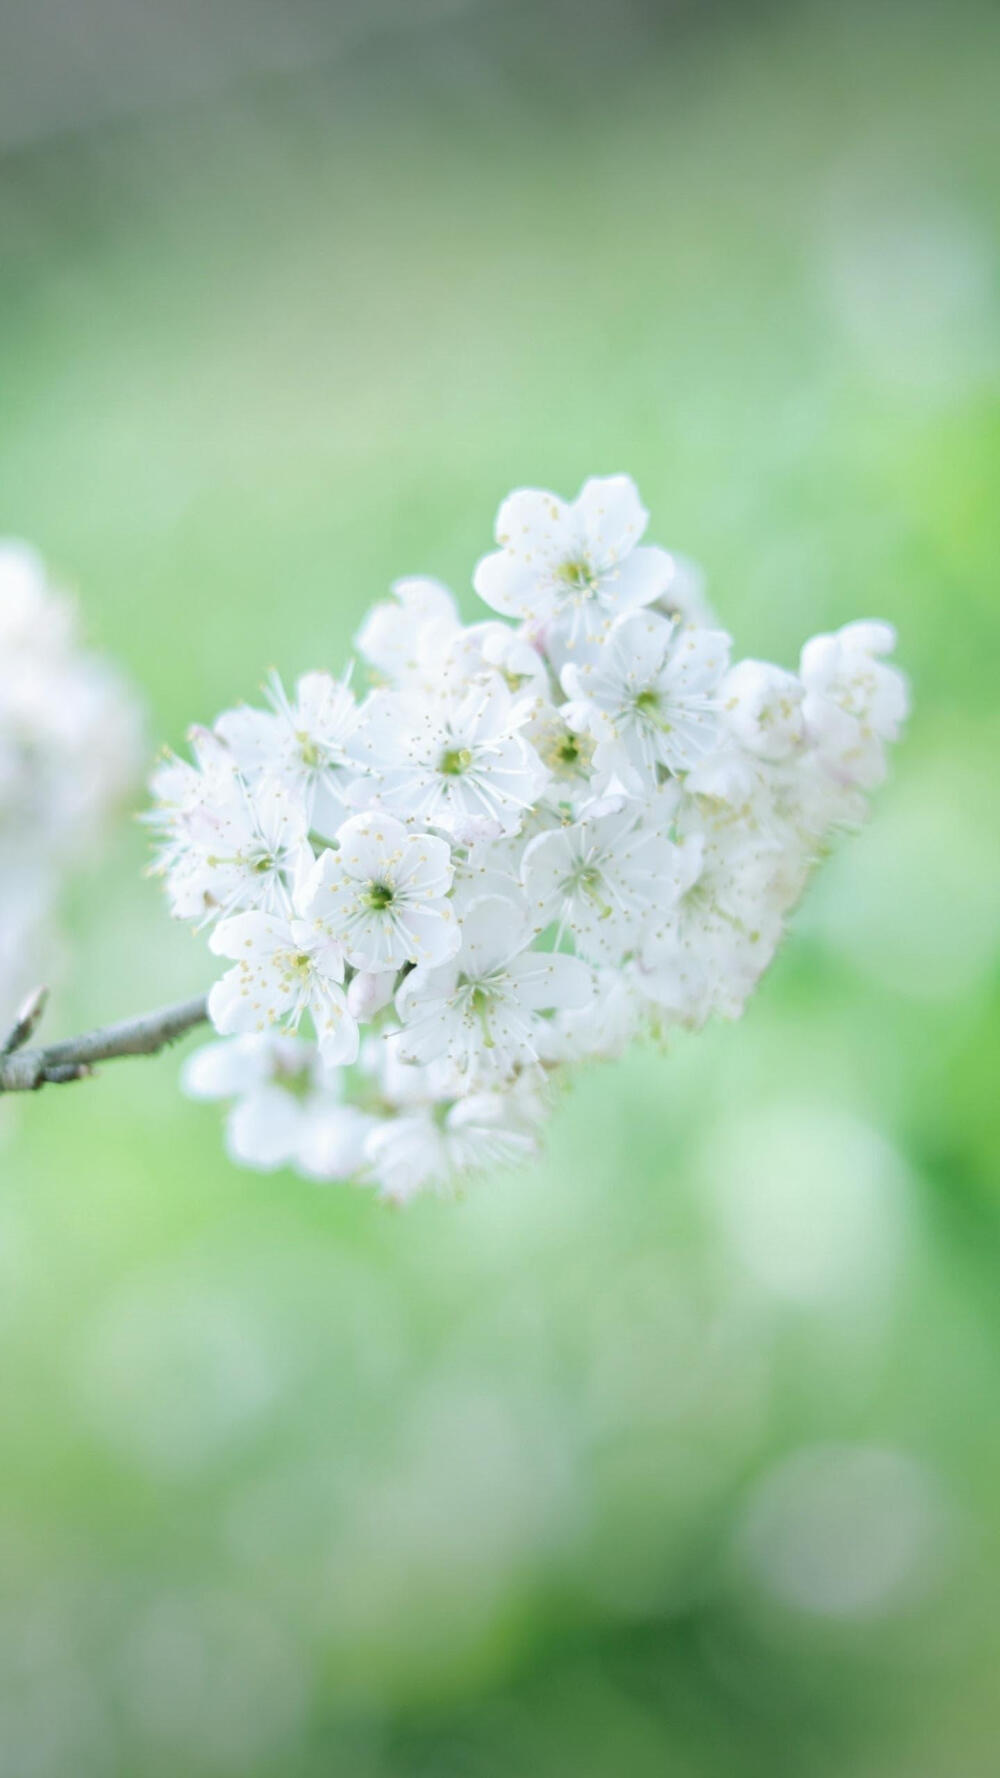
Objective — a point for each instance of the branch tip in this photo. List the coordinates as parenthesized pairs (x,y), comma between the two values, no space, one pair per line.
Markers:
(27,1021)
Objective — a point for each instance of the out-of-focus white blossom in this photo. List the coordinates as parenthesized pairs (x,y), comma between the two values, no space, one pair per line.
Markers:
(70,743)
(528,843)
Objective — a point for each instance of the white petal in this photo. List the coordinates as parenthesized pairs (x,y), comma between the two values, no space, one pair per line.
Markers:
(336,1032)
(366,843)
(424,866)
(494,929)
(506,585)
(549,979)
(224,1070)
(263,1129)
(251,934)
(433,934)
(610,516)
(644,576)
(229,1005)
(537,528)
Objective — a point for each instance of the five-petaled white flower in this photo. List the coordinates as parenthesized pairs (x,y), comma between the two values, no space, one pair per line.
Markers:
(302,743)
(421,1151)
(483,1010)
(576,565)
(656,685)
(286,1105)
(283,969)
(463,766)
(603,881)
(383,895)
(226,843)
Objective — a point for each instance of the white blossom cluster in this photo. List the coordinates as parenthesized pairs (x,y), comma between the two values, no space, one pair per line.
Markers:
(70,738)
(533,839)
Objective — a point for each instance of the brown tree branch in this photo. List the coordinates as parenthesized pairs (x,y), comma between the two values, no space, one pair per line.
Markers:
(24,1071)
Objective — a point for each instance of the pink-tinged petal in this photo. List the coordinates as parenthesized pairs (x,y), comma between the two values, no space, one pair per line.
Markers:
(369,992)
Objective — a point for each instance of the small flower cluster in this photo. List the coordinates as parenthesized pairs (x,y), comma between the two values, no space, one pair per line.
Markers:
(535,838)
(69,748)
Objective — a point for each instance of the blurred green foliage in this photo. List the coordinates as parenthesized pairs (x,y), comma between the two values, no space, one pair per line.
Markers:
(677,1454)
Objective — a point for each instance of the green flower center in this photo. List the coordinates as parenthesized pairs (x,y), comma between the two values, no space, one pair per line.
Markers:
(379,897)
(577,575)
(455,761)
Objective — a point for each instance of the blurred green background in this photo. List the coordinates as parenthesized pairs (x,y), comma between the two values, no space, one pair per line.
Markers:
(678,1453)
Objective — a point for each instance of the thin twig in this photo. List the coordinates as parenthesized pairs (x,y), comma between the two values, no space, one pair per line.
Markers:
(26,1023)
(23,1071)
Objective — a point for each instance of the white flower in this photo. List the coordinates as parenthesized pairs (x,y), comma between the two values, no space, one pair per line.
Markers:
(70,740)
(576,565)
(482,1011)
(369,992)
(263,1128)
(684,596)
(283,969)
(422,1151)
(762,709)
(853,703)
(463,766)
(227,845)
(301,744)
(707,952)
(565,832)
(606,1026)
(288,1106)
(401,635)
(383,895)
(603,881)
(657,686)
(584,764)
